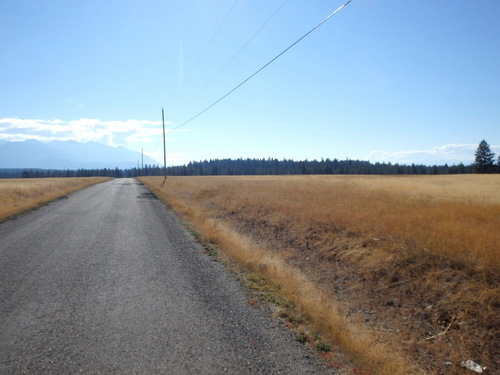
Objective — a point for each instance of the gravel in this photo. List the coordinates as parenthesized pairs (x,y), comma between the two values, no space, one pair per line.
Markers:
(108,281)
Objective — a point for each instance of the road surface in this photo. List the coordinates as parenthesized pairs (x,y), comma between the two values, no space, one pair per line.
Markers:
(107,281)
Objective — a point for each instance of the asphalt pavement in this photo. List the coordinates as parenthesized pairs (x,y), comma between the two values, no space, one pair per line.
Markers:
(107,281)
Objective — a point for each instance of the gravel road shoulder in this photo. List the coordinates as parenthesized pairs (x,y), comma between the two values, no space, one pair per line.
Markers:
(109,282)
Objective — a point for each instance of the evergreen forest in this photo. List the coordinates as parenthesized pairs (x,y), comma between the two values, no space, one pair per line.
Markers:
(484,163)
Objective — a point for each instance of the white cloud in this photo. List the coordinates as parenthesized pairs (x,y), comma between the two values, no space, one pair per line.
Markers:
(18,137)
(146,135)
(112,133)
(451,154)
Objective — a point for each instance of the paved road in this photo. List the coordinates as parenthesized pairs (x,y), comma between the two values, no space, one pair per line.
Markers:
(108,282)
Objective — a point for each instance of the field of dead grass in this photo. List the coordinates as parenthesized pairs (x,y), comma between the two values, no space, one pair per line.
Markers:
(19,195)
(401,272)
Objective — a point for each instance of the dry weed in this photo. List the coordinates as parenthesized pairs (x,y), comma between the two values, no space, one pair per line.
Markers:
(18,195)
(406,263)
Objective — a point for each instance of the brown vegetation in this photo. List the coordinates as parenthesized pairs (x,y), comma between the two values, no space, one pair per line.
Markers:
(401,272)
(19,195)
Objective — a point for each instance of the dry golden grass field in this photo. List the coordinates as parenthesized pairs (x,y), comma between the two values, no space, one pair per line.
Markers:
(400,273)
(19,195)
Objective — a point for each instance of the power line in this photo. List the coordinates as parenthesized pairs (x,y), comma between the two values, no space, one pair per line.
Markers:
(265,66)
(232,58)
(204,49)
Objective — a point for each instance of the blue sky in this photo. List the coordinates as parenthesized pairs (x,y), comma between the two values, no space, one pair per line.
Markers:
(395,81)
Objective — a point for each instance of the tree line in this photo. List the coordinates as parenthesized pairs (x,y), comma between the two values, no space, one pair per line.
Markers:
(229,167)
(484,163)
(234,167)
(46,173)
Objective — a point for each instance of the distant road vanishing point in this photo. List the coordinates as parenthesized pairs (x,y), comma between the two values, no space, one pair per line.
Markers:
(109,282)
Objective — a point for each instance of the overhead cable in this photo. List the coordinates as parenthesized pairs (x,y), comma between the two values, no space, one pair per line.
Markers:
(232,58)
(204,50)
(263,67)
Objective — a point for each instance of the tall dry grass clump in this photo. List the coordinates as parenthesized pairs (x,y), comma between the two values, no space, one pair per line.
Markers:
(18,195)
(406,263)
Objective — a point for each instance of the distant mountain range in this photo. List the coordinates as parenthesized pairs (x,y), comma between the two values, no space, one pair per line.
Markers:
(67,155)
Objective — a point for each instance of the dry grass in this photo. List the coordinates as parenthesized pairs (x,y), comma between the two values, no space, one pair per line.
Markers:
(19,195)
(405,265)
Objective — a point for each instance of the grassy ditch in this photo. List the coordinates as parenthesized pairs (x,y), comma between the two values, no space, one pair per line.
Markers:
(401,273)
(19,195)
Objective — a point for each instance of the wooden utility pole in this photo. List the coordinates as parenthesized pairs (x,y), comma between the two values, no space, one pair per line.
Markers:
(164,148)
(142,162)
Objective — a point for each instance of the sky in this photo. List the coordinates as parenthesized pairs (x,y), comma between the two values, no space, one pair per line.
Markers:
(411,81)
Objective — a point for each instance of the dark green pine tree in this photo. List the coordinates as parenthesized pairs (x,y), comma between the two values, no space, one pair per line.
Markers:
(484,161)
